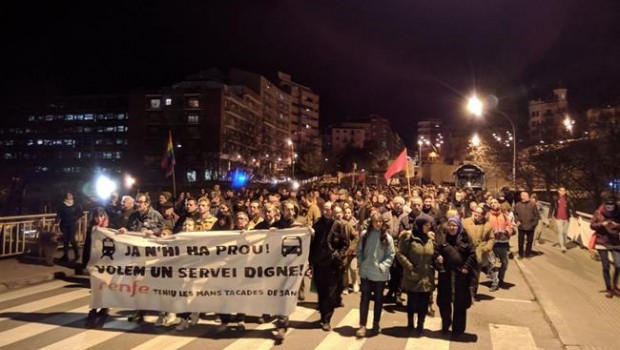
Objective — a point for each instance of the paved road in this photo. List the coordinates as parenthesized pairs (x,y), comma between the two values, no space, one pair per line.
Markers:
(555,301)
(51,316)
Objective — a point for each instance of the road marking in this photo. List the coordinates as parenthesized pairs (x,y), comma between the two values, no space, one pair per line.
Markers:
(507,337)
(45,303)
(335,340)
(37,327)
(433,324)
(515,300)
(32,290)
(92,337)
(300,314)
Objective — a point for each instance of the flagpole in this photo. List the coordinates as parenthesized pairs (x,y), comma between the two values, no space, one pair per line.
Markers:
(174,179)
(407,174)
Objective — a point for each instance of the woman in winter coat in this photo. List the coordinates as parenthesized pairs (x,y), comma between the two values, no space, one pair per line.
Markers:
(456,259)
(415,254)
(375,254)
(606,225)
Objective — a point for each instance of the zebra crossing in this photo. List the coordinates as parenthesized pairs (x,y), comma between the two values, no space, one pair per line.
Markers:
(51,316)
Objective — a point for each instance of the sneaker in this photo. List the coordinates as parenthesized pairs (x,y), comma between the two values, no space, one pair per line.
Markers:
(361,333)
(280,334)
(171,318)
(161,319)
(356,288)
(183,325)
(194,317)
(326,327)
(493,288)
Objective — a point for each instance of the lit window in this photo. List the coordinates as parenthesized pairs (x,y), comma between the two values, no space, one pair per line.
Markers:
(193,119)
(191,176)
(168,102)
(88,116)
(156,103)
(193,103)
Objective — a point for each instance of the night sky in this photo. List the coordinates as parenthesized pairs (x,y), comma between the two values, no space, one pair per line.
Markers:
(405,59)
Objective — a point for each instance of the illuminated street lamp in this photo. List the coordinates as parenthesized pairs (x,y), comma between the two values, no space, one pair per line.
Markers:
(568,124)
(475,140)
(476,107)
(293,155)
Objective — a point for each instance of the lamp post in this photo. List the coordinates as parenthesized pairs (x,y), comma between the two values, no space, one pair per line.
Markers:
(290,143)
(476,107)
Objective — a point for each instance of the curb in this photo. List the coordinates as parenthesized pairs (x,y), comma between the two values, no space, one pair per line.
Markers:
(551,312)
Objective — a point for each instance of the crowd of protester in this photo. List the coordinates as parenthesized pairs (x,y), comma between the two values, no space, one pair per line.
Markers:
(429,244)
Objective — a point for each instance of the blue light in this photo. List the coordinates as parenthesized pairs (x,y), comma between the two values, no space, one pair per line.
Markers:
(239,178)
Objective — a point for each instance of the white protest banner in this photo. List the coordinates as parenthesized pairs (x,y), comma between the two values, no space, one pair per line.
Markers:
(254,272)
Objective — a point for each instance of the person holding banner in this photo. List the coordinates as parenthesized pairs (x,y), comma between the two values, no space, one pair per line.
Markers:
(98,218)
(145,219)
(327,252)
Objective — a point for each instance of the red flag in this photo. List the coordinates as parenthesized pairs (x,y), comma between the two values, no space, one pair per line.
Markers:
(361,177)
(167,159)
(397,165)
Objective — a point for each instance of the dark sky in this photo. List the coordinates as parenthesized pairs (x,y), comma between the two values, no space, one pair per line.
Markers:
(404,59)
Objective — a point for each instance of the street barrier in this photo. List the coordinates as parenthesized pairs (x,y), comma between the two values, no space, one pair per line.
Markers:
(19,234)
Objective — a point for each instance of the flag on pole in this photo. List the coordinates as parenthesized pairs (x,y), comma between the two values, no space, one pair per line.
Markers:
(397,165)
(167,159)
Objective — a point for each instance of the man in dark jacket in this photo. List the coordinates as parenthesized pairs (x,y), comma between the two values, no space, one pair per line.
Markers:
(526,216)
(327,252)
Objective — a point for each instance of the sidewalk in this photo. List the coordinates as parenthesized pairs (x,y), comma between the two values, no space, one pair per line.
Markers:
(21,272)
(570,288)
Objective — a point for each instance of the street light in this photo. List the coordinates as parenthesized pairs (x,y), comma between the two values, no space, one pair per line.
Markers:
(290,143)
(475,140)
(476,107)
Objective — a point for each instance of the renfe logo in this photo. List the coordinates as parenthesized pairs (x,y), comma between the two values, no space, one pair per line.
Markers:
(132,289)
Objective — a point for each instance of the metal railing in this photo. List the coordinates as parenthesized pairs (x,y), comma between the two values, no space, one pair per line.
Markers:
(20,233)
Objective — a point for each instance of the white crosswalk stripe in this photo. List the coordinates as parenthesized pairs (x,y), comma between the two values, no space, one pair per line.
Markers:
(300,314)
(47,324)
(4,297)
(45,302)
(502,337)
(433,324)
(335,340)
(91,337)
(506,337)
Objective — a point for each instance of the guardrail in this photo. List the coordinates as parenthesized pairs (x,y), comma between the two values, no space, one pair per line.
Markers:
(19,233)
(579,230)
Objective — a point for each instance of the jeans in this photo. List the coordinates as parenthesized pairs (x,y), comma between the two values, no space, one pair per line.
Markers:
(603,253)
(523,235)
(501,252)
(376,289)
(562,232)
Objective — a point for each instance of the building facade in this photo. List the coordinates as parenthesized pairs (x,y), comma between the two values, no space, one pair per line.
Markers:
(547,115)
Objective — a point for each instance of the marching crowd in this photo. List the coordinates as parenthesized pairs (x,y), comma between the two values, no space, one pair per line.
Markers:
(381,242)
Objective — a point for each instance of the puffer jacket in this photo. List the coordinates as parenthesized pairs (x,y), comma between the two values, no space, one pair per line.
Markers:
(416,257)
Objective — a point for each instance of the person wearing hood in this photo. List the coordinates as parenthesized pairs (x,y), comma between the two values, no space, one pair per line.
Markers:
(415,253)
(606,225)
(456,260)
